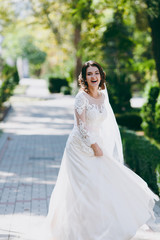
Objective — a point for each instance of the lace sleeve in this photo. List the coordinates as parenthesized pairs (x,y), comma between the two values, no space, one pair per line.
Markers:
(80,108)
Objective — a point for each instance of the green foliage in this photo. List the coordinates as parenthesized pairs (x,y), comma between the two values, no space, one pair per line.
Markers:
(32,52)
(157,119)
(23,45)
(125,45)
(131,120)
(119,92)
(142,157)
(143,63)
(6,90)
(117,47)
(48,14)
(10,80)
(148,109)
(10,72)
(7,13)
(153,8)
(55,84)
(117,43)
(34,55)
(80,10)
(66,90)
(12,43)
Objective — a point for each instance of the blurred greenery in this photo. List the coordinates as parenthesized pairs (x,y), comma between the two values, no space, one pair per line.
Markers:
(132,120)
(119,83)
(157,119)
(118,34)
(22,45)
(66,90)
(10,80)
(117,46)
(150,111)
(55,84)
(142,157)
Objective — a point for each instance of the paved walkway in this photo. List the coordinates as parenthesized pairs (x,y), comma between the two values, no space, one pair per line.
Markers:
(31,149)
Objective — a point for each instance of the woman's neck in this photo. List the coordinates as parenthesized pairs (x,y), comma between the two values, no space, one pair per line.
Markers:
(93,92)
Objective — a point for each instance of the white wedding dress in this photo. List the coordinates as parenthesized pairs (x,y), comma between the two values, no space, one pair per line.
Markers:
(95,198)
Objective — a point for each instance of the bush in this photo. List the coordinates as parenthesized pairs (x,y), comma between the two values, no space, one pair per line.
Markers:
(10,80)
(55,84)
(10,72)
(142,157)
(148,110)
(6,90)
(130,120)
(16,77)
(157,119)
(65,90)
(119,91)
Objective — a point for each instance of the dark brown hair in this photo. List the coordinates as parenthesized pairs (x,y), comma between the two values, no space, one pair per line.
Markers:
(82,77)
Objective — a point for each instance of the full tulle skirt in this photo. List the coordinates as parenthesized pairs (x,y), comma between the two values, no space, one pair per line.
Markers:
(97,198)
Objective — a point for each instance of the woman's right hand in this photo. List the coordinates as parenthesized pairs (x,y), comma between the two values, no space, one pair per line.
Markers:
(97,150)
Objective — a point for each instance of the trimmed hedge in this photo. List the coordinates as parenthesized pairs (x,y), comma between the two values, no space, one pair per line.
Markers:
(142,157)
(157,119)
(130,120)
(55,84)
(151,111)
(65,90)
(119,84)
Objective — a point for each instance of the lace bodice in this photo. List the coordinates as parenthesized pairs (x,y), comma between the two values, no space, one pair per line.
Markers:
(95,123)
(89,114)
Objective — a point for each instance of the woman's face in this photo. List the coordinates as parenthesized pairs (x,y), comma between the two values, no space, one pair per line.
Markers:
(93,77)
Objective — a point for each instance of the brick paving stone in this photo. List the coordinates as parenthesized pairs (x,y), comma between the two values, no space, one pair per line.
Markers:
(31,149)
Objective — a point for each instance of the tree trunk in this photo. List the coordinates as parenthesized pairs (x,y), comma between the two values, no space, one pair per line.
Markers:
(77,39)
(155,26)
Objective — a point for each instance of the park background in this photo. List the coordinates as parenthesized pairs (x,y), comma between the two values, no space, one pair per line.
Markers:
(50,40)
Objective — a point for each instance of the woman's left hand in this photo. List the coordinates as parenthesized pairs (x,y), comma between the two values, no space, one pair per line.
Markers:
(97,150)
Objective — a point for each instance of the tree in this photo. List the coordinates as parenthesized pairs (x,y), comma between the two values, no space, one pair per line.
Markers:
(153,13)
(58,14)
(34,55)
(80,11)
(48,13)
(118,50)
(31,52)
(23,45)
(7,14)
(147,15)
(117,44)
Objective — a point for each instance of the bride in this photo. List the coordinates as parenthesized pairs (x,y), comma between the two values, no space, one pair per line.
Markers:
(96,196)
